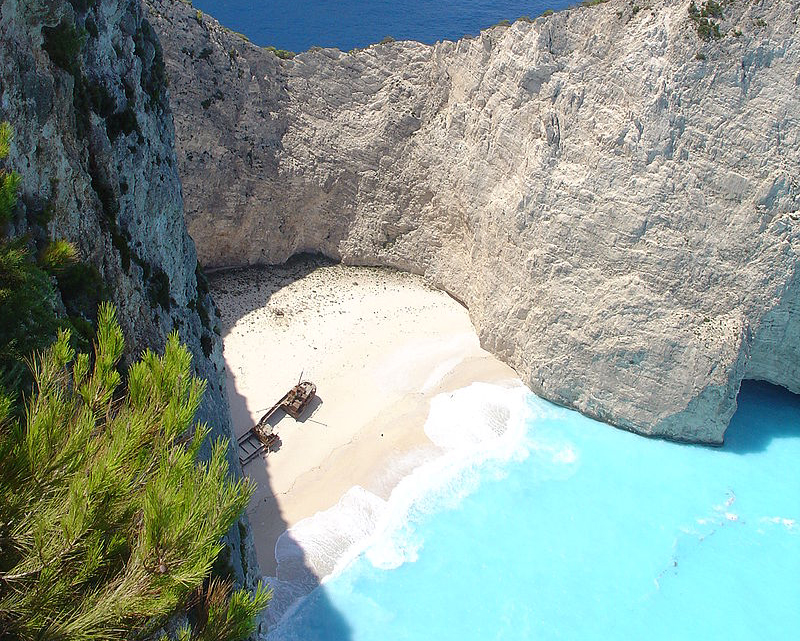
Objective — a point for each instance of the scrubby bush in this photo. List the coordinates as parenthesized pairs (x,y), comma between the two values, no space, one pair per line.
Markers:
(283,54)
(702,19)
(27,298)
(63,44)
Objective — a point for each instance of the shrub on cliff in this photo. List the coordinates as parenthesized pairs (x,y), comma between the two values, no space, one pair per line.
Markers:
(108,521)
(27,313)
(702,16)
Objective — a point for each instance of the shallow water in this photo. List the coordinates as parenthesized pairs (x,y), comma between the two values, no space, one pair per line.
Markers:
(297,25)
(545,524)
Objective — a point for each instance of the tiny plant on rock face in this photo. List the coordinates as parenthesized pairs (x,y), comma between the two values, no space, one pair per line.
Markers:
(703,18)
(283,54)
(110,521)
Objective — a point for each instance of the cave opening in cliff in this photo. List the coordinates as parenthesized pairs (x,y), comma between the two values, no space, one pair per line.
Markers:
(765,412)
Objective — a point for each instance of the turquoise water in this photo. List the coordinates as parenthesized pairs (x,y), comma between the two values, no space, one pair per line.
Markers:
(299,24)
(565,528)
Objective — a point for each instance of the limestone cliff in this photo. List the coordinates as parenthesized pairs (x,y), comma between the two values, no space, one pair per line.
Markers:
(613,191)
(83,85)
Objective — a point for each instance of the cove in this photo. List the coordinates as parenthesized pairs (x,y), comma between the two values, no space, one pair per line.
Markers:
(583,531)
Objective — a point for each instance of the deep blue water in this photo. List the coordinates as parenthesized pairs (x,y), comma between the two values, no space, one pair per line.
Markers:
(297,25)
(571,529)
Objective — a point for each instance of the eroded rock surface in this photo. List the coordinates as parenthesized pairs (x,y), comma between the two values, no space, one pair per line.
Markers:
(94,145)
(613,197)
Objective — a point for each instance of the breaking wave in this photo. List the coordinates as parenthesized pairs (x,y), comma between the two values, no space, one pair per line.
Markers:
(476,429)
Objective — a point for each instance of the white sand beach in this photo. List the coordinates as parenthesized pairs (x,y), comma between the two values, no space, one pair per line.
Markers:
(378,344)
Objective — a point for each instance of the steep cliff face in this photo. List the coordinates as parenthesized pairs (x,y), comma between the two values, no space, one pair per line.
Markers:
(614,197)
(83,85)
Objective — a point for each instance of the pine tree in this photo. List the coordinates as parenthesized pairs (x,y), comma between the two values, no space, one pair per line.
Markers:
(108,522)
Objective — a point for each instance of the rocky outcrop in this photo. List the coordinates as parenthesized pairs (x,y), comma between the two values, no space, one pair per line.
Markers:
(613,191)
(83,85)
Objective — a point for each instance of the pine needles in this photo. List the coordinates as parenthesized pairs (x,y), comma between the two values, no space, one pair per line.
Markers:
(108,522)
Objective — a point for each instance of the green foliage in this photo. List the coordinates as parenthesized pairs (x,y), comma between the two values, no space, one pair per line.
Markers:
(27,313)
(702,18)
(9,180)
(63,43)
(547,12)
(110,522)
(223,615)
(9,186)
(28,319)
(283,54)
(56,255)
(592,3)
(6,134)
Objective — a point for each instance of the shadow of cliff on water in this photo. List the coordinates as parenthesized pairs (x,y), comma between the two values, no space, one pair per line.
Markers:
(765,412)
(294,577)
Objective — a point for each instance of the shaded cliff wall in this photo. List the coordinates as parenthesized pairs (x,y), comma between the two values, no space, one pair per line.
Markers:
(94,145)
(614,197)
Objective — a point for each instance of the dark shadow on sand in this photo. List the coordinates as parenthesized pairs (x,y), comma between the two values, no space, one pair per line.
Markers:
(329,623)
(765,412)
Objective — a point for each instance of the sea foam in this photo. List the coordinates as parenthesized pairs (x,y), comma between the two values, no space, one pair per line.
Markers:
(592,533)
(475,429)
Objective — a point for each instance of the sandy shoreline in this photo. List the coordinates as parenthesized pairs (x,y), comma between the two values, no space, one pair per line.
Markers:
(379,345)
